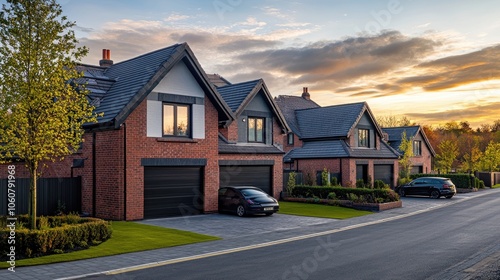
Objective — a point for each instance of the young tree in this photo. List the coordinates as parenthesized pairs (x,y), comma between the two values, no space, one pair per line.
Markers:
(448,154)
(491,159)
(42,109)
(468,145)
(405,163)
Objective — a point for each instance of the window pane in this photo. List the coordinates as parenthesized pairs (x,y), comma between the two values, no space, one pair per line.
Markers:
(260,130)
(251,130)
(168,120)
(182,120)
(363,138)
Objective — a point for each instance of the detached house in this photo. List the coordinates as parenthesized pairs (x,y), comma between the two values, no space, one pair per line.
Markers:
(345,139)
(423,153)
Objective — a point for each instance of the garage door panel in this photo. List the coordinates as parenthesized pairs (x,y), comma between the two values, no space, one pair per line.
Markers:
(258,176)
(384,172)
(172,191)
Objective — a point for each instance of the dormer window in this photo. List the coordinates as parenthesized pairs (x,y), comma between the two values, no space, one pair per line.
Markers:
(364,138)
(256,128)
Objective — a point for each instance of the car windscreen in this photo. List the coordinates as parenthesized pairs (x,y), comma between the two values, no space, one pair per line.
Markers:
(252,192)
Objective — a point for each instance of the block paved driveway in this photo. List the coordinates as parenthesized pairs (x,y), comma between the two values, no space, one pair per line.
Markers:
(232,226)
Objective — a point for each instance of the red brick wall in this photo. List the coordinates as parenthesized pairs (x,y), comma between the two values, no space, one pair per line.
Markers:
(309,167)
(139,146)
(296,143)
(424,160)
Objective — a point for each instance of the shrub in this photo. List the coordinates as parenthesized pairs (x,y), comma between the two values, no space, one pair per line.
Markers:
(360,183)
(325,181)
(55,235)
(379,184)
(463,181)
(334,181)
(332,195)
(290,185)
(403,181)
(341,193)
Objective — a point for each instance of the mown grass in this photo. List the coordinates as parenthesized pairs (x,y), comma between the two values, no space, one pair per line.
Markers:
(319,210)
(496,186)
(127,237)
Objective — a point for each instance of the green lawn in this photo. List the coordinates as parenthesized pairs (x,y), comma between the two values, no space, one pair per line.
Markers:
(319,210)
(496,186)
(127,237)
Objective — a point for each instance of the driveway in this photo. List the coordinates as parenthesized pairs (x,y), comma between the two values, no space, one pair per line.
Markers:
(230,226)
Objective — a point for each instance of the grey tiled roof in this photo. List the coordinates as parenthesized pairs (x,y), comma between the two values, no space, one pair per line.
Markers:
(319,149)
(131,76)
(395,133)
(288,104)
(118,89)
(329,122)
(338,149)
(235,94)
(242,148)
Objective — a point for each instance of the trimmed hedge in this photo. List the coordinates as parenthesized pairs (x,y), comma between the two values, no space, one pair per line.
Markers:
(54,235)
(463,181)
(352,194)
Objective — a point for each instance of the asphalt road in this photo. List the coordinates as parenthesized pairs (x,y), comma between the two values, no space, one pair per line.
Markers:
(460,241)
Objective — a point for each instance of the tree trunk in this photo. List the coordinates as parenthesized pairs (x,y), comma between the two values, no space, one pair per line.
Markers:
(32,209)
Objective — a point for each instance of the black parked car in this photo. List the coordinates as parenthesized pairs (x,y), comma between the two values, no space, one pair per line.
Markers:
(246,201)
(435,187)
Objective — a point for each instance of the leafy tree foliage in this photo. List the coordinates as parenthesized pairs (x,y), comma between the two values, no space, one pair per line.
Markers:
(491,159)
(448,154)
(42,109)
(405,163)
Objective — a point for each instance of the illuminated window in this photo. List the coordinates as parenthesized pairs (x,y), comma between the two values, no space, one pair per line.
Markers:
(256,130)
(364,138)
(417,148)
(176,120)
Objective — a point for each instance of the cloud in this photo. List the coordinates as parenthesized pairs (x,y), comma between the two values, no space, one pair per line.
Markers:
(176,17)
(339,63)
(472,112)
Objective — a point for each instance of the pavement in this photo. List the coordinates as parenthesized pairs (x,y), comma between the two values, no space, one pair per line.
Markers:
(237,234)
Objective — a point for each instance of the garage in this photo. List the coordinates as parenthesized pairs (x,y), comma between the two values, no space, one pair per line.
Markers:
(247,175)
(172,191)
(384,172)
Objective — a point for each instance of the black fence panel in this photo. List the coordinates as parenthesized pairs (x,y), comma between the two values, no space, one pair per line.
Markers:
(53,195)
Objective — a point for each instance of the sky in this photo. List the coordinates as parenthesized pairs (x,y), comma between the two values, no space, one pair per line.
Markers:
(431,61)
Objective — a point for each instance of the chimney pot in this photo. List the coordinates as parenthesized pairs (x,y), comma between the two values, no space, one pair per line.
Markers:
(305,93)
(106,58)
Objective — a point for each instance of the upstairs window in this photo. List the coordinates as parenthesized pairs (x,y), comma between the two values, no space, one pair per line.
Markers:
(364,138)
(290,138)
(417,148)
(256,128)
(176,120)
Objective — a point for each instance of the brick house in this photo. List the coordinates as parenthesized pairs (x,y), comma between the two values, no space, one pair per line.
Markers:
(423,153)
(345,139)
(154,152)
(251,147)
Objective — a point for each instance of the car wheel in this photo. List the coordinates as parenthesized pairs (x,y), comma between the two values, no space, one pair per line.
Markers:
(435,194)
(402,192)
(450,196)
(240,210)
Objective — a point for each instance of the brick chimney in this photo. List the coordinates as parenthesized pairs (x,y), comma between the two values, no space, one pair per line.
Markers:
(106,60)
(305,94)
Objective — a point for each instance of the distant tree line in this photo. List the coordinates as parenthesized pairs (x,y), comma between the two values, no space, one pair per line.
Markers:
(458,146)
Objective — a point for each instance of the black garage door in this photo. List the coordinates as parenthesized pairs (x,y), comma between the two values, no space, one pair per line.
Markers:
(172,191)
(251,175)
(384,172)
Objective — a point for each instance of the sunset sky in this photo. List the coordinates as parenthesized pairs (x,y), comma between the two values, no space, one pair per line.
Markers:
(433,61)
